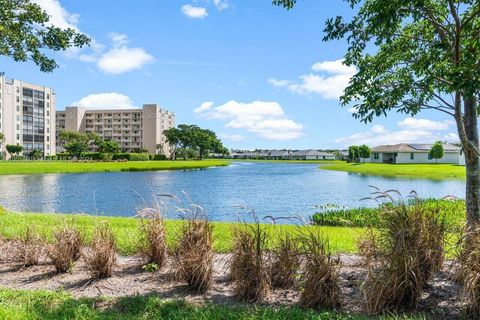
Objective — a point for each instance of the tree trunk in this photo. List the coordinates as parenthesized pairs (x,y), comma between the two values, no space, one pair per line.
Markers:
(472,161)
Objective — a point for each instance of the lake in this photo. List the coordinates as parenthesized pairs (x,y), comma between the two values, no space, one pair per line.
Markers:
(277,189)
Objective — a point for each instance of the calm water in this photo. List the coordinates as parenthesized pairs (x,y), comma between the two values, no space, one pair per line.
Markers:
(270,188)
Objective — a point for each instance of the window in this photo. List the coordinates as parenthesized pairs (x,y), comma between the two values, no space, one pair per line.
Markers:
(376,156)
(412,156)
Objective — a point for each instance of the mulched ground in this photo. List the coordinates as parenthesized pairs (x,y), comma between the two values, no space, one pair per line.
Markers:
(441,299)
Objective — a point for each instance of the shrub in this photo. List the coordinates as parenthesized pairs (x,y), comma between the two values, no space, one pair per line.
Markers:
(321,281)
(470,270)
(131,156)
(102,256)
(97,156)
(193,255)
(285,262)
(402,255)
(28,248)
(3,210)
(153,243)
(159,157)
(249,269)
(66,248)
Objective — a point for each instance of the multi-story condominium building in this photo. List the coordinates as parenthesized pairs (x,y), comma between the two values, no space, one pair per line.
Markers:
(27,116)
(133,129)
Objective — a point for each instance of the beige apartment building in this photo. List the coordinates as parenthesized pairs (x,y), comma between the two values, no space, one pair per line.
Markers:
(133,129)
(27,116)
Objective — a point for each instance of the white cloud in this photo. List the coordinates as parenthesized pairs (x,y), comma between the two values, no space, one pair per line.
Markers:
(221,4)
(231,137)
(207,105)
(265,119)
(329,84)
(194,12)
(106,100)
(118,59)
(423,124)
(59,16)
(409,130)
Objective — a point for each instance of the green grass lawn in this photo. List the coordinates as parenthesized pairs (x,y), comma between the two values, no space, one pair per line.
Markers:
(430,171)
(49,305)
(342,239)
(30,167)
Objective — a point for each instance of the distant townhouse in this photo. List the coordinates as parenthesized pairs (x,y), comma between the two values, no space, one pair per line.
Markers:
(310,155)
(133,129)
(415,153)
(27,116)
(283,155)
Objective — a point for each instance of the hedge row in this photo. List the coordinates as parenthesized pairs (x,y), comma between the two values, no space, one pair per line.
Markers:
(99,156)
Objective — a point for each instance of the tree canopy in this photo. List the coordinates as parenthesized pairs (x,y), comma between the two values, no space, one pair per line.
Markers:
(413,55)
(190,141)
(14,149)
(437,151)
(364,152)
(25,34)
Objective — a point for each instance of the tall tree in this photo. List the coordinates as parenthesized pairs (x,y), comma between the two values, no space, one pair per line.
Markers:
(25,32)
(14,149)
(364,152)
(436,152)
(75,143)
(413,55)
(172,136)
(353,153)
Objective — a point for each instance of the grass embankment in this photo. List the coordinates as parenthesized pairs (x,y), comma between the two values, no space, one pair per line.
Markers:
(127,230)
(48,305)
(429,171)
(32,167)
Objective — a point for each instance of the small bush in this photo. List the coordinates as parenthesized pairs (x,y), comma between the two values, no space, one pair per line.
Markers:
(321,281)
(131,156)
(285,263)
(3,210)
(159,157)
(249,269)
(470,270)
(193,255)
(153,243)
(102,256)
(402,255)
(28,248)
(66,248)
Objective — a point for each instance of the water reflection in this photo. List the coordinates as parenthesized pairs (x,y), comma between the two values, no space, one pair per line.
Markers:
(270,188)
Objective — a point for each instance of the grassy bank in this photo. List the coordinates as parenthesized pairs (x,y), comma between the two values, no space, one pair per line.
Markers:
(48,305)
(429,171)
(342,239)
(32,167)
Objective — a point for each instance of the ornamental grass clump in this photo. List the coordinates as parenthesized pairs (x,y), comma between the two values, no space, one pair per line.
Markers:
(321,279)
(66,247)
(469,272)
(193,254)
(249,269)
(285,262)
(153,241)
(28,248)
(102,256)
(402,254)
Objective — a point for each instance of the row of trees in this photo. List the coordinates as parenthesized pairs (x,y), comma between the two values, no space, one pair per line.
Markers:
(76,143)
(191,141)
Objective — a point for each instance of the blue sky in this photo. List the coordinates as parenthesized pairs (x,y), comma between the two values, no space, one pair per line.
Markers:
(258,75)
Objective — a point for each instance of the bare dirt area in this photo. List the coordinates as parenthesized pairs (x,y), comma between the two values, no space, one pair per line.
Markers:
(442,298)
